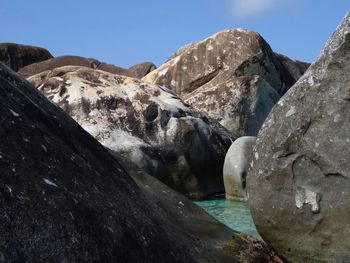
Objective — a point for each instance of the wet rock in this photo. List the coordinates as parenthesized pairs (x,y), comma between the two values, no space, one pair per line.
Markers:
(299,181)
(136,71)
(17,56)
(148,124)
(236,166)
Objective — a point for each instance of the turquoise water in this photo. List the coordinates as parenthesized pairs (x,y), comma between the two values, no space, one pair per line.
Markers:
(234,214)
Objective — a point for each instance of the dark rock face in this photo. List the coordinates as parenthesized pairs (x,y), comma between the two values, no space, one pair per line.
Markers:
(17,56)
(147,123)
(136,71)
(233,76)
(295,67)
(64,198)
(299,181)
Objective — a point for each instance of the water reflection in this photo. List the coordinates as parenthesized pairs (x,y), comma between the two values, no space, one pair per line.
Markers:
(234,214)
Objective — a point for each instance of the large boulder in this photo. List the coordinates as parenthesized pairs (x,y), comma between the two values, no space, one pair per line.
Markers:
(144,122)
(199,63)
(64,198)
(136,71)
(299,183)
(17,56)
(232,76)
(236,166)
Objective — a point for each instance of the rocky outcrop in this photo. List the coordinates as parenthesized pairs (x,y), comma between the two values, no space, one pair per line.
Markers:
(236,166)
(299,181)
(144,122)
(233,76)
(17,56)
(64,198)
(136,71)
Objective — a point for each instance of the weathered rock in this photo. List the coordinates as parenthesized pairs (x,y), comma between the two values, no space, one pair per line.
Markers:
(299,187)
(233,76)
(64,198)
(136,71)
(17,56)
(144,122)
(140,70)
(295,67)
(199,63)
(236,166)
(240,104)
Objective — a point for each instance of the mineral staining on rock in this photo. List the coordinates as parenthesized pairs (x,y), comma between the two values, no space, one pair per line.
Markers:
(146,123)
(299,200)
(233,76)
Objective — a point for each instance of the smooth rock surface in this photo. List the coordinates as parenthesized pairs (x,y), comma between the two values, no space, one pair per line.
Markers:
(299,187)
(144,122)
(64,198)
(17,56)
(233,76)
(236,165)
(136,71)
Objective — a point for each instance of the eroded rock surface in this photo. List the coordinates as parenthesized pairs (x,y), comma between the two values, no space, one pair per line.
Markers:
(228,73)
(144,122)
(299,185)
(17,56)
(136,71)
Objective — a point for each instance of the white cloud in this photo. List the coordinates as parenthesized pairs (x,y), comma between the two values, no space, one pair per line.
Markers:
(251,8)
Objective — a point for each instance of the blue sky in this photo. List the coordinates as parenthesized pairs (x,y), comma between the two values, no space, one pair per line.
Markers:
(127,32)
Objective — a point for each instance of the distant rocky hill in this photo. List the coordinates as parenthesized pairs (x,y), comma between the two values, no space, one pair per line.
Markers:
(136,71)
(17,56)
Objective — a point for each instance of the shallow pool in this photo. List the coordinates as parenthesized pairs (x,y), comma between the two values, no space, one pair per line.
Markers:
(234,214)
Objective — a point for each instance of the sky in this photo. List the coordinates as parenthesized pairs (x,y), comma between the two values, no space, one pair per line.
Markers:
(127,32)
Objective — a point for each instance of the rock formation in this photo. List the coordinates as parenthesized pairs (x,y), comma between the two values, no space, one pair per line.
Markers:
(299,187)
(136,71)
(231,72)
(240,104)
(146,123)
(17,56)
(64,198)
(295,67)
(236,166)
